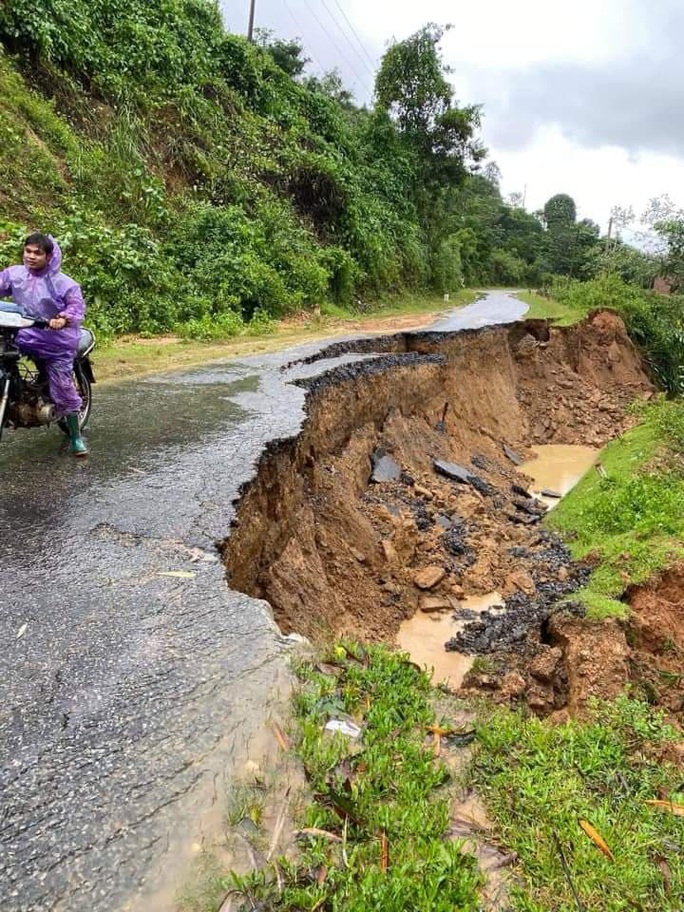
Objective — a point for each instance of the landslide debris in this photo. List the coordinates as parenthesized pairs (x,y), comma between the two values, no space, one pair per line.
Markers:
(402,492)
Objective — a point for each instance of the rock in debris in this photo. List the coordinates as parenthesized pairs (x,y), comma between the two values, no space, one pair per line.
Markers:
(521,580)
(544,666)
(429,577)
(358,555)
(482,486)
(512,455)
(453,470)
(523,519)
(384,467)
(462,475)
(533,507)
(430,603)
(389,551)
(512,685)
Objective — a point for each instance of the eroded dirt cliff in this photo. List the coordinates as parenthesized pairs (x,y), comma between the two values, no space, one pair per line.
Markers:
(358,523)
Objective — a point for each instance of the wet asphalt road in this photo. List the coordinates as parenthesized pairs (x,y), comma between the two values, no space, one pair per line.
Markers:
(127,694)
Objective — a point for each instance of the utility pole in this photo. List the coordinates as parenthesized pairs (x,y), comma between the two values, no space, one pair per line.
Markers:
(250,27)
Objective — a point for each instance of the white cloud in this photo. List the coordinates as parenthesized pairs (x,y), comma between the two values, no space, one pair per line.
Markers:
(597,178)
(573,92)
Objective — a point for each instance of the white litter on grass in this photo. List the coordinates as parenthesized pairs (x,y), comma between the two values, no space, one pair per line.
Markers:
(346,728)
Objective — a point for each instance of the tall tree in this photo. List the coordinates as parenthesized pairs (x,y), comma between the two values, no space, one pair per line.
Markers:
(567,243)
(411,86)
(560,210)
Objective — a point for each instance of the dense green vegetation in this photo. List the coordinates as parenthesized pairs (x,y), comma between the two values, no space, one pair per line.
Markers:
(654,321)
(540,780)
(376,834)
(198,182)
(630,517)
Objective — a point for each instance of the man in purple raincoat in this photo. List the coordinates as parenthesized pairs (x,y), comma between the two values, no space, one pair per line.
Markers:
(41,290)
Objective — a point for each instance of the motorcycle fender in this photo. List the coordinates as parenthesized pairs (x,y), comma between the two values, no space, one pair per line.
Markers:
(84,365)
(4,395)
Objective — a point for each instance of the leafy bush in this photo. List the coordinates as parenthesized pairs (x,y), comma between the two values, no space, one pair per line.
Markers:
(655,322)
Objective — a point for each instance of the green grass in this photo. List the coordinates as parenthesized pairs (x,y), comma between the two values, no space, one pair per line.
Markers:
(543,308)
(631,519)
(538,781)
(402,304)
(386,788)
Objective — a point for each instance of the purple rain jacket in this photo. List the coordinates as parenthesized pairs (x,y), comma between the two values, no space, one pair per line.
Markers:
(47,294)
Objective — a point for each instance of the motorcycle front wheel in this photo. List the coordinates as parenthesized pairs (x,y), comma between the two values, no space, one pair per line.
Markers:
(84,388)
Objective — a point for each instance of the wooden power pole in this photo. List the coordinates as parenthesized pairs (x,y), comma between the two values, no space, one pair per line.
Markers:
(250,27)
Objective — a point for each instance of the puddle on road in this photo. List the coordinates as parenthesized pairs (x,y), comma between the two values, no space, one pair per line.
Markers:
(423,636)
(558,467)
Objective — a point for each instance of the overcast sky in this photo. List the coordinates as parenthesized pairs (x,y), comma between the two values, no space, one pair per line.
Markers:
(583,97)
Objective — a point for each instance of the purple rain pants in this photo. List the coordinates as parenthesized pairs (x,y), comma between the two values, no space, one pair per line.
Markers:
(49,346)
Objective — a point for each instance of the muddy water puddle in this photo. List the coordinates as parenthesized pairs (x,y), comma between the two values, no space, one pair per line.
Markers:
(423,636)
(558,468)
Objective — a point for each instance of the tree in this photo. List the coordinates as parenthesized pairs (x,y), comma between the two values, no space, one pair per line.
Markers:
(567,242)
(436,136)
(560,210)
(331,84)
(288,55)
(411,86)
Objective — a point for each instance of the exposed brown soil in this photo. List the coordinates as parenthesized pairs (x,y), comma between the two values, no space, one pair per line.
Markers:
(656,637)
(599,658)
(336,553)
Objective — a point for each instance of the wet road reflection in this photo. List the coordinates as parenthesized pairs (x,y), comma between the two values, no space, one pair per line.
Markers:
(126,692)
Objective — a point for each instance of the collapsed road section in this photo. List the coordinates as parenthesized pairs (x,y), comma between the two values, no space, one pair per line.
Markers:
(403,493)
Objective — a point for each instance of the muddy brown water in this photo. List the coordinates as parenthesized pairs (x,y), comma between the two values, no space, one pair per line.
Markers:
(557,467)
(423,637)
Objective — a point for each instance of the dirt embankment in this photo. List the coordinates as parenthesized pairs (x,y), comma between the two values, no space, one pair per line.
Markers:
(336,550)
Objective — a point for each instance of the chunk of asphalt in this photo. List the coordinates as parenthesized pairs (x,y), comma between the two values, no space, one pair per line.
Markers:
(533,507)
(518,489)
(523,519)
(512,455)
(452,470)
(384,467)
(547,492)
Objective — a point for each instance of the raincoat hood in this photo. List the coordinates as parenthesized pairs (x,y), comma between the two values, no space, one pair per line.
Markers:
(54,263)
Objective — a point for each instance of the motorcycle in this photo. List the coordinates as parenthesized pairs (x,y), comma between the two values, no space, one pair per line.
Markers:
(24,392)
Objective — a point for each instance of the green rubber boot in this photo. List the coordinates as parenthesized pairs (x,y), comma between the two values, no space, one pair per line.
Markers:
(77,443)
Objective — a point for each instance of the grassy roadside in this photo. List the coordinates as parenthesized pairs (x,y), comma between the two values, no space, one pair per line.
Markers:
(543,308)
(629,514)
(379,824)
(546,785)
(133,356)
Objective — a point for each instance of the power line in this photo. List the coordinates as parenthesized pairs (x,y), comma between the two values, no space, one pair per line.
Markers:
(335,44)
(346,38)
(300,31)
(355,33)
